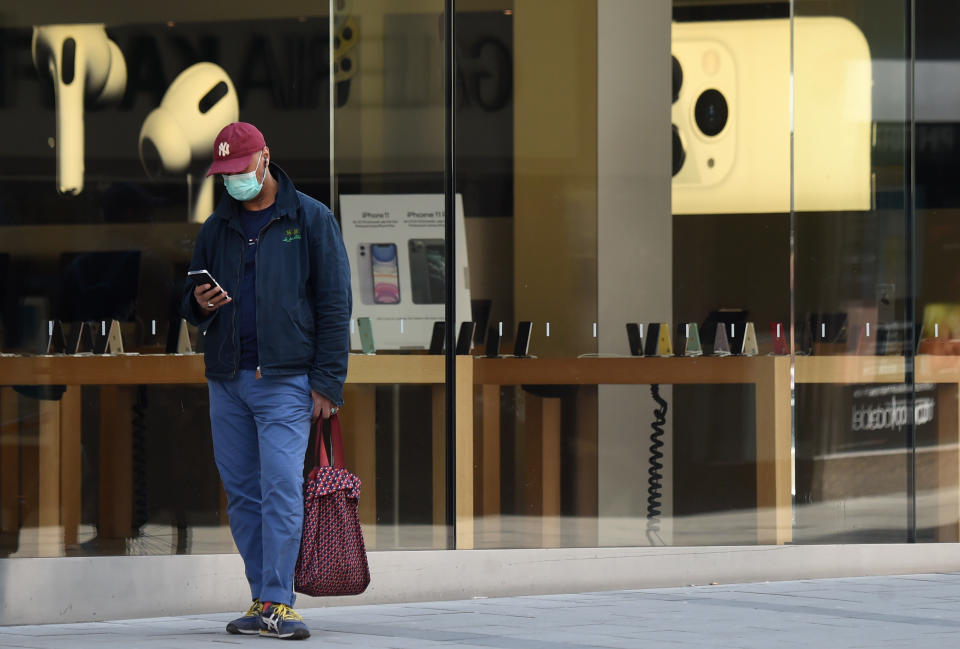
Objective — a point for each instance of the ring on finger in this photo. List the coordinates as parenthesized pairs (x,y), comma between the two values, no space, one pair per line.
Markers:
(210,304)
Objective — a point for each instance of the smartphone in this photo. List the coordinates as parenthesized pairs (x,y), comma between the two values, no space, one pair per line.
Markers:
(365,328)
(653,339)
(735,93)
(437,338)
(480,310)
(635,339)
(386,274)
(201,277)
(521,346)
(493,342)
(465,338)
(680,339)
(364,274)
(427,270)
(735,333)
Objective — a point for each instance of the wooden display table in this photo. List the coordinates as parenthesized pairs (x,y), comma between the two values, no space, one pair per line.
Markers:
(770,375)
(60,422)
(59,462)
(148,369)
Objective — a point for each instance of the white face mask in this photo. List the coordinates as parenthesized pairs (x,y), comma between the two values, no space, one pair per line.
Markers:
(245,187)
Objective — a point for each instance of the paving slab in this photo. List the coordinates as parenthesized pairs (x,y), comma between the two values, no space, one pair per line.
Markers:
(915,611)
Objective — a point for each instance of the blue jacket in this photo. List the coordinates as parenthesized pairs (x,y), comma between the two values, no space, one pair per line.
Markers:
(303,291)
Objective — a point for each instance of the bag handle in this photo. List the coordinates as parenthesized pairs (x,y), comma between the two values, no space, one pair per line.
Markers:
(320,449)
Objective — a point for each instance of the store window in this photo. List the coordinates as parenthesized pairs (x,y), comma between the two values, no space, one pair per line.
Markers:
(778,235)
(102,194)
(700,272)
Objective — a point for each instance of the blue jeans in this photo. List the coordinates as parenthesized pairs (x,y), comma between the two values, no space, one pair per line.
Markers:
(260,432)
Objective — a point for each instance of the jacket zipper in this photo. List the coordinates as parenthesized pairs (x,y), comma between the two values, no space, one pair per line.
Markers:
(256,274)
(236,333)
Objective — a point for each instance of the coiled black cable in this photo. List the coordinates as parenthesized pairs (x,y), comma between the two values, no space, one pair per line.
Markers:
(655,480)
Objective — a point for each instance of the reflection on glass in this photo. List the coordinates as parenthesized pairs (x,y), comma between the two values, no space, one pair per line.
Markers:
(101,196)
(389,161)
(855,420)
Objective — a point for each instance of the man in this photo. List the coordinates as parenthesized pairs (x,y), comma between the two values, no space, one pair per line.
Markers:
(276,344)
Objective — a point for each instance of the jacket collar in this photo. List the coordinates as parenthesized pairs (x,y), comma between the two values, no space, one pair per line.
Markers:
(287,201)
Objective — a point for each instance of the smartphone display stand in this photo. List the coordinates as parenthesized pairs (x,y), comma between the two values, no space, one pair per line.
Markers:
(721,345)
(154,335)
(866,340)
(178,342)
(749,345)
(692,346)
(110,341)
(829,333)
(521,345)
(81,339)
(664,341)
(56,341)
(493,342)
(658,340)
(803,341)
(779,336)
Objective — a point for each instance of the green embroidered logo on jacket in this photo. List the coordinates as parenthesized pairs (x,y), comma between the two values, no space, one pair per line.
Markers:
(292,234)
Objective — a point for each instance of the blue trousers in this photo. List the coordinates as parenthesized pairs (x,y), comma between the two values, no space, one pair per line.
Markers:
(260,432)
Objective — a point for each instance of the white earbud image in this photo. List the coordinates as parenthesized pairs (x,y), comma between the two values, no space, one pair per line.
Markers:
(180,132)
(83,63)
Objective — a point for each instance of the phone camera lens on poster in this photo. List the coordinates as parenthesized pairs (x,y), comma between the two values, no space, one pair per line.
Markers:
(679,153)
(677,75)
(711,112)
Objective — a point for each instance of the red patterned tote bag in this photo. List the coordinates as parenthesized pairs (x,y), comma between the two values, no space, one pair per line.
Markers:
(333,558)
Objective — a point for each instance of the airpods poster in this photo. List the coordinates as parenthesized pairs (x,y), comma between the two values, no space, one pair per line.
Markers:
(398,265)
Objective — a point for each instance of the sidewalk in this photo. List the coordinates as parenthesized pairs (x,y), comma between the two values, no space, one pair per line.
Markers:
(916,611)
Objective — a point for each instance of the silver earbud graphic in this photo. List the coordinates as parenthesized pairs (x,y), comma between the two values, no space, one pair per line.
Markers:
(83,63)
(181,130)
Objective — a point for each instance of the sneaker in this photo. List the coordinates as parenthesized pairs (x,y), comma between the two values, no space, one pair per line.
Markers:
(250,622)
(281,621)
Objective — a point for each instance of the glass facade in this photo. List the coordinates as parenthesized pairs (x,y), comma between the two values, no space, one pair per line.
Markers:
(737,330)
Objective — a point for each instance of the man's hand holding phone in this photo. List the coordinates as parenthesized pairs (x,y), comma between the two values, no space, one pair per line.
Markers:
(207,292)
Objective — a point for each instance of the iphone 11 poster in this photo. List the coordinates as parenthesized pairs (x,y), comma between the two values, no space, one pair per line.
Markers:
(397,252)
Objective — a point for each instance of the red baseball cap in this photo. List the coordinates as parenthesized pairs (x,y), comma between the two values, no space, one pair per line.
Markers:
(233,147)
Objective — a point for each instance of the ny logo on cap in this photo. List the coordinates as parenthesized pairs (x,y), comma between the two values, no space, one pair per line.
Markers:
(224,149)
